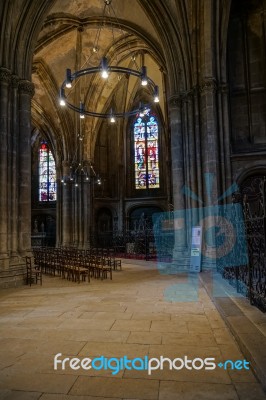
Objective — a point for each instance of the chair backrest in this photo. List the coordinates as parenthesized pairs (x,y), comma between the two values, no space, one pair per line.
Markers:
(28,262)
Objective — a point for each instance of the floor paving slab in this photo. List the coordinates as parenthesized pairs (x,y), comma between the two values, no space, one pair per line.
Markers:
(129,388)
(19,395)
(127,316)
(196,391)
(70,397)
(244,322)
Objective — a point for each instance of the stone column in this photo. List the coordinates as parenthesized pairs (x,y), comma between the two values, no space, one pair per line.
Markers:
(25,91)
(84,214)
(59,190)
(225,134)
(198,146)
(210,139)
(67,220)
(76,191)
(14,161)
(192,199)
(175,109)
(176,124)
(5,78)
(210,161)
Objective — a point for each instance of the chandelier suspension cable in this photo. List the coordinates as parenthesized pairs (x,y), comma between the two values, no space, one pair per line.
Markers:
(133,57)
(80,170)
(94,48)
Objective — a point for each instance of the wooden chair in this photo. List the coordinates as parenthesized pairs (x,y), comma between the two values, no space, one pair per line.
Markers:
(81,271)
(104,269)
(34,274)
(115,263)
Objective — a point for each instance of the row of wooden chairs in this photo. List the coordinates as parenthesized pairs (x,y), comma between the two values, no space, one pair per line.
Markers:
(108,254)
(74,264)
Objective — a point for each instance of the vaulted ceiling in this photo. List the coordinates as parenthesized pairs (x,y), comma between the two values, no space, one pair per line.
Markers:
(125,34)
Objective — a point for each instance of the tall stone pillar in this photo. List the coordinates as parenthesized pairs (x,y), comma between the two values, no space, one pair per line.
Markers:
(84,212)
(210,140)
(59,204)
(76,192)
(175,109)
(192,166)
(210,169)
(88,206)
(224,135)
(25,91)
(67,221)
(84,215)
(14,165)
(5,78)
(177,146)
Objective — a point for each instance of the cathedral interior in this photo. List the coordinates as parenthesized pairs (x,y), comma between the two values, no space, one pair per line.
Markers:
(172,138)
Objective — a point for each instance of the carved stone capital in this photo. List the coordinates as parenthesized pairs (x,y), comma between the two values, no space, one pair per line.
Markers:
(190,95)
(5,75)
(195,90)
(176,101)
(14,81)
(26,87)
(223,88)
(208,85)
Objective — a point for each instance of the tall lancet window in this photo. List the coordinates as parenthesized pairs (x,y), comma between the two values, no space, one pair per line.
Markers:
(47,174)
(146,151)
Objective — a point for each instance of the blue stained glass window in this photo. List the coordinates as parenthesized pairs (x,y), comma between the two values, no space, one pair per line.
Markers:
(146,152)
(47,174)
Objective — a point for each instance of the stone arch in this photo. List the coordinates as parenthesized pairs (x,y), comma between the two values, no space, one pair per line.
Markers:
(140,216)
(250,170)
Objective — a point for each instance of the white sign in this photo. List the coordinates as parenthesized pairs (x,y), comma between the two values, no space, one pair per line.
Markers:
(195,256)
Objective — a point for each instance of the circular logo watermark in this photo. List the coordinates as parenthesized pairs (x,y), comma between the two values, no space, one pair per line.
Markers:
(219,236)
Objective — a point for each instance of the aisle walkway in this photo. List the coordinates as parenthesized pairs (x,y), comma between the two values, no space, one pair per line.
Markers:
(132,316)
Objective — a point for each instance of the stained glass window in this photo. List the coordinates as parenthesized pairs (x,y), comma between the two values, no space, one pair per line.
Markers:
(146,152)
(47,174)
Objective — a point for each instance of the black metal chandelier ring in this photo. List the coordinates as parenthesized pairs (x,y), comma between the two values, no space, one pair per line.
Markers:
(104,69)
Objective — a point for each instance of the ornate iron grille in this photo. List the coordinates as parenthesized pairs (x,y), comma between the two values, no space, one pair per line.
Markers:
(254,195)
(135,244)
(249,277)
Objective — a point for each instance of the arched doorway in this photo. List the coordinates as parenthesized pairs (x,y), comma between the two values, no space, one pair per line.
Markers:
(140,237)
(104,227)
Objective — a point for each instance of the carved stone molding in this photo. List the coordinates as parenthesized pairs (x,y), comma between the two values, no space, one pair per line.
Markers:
(26,87)
(208,85)
(14,81)
(192,93)
(185,97)
(176,101)
(5,75)
(223,88)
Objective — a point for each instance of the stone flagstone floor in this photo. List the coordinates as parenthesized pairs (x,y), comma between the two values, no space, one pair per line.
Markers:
(127,316)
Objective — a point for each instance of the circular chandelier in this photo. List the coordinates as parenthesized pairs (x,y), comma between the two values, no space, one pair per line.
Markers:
(105,70)
(81,172)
